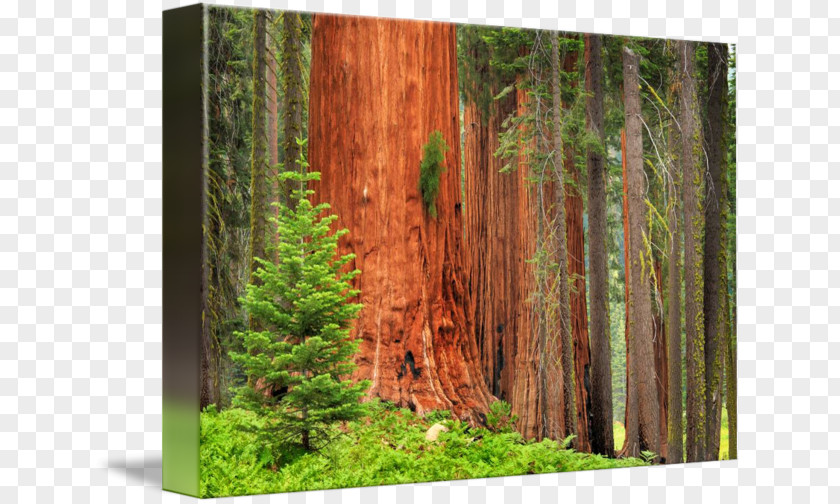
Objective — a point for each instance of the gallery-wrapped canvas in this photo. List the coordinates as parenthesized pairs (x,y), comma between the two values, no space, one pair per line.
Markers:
(402,251)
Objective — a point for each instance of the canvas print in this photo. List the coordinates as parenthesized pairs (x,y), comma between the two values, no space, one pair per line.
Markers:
(432,251)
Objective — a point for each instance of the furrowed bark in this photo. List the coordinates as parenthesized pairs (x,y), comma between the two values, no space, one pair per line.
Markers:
(601,372)
(694,170)
(714,278)
(642,370)
(366,138)
(577,269)
(559,233)
(675,409)
(496,262)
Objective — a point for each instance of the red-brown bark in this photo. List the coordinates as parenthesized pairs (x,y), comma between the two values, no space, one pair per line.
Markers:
(631,406)
(529,395)
(496,262)
(577,272)
(660,353)
(378,88)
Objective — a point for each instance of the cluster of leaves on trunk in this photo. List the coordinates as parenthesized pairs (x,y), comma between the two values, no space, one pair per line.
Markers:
(431,169)
(297,360)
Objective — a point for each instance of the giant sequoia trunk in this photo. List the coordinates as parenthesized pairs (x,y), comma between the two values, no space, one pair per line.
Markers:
(537,397)
(714,298)
(577,269)
(497,267)
(694,171)
(378,88)
(642,370)
(601,371)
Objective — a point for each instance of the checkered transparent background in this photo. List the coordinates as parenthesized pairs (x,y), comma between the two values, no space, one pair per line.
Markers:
(80,252)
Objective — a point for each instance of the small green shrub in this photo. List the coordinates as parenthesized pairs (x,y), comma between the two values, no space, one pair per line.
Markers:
(431,168)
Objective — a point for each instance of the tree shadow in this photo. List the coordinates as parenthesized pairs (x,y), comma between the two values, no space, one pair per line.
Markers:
(140,470)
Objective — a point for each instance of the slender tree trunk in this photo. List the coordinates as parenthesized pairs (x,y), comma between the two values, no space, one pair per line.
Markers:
(367,133)
(631,393)
(271,92)
(577,266)
(294,94)
(715,246)
(566,342)
(731,382)
(694,170)
(278,195)
(259,191)
(642,370)
(675,409)
(601,372)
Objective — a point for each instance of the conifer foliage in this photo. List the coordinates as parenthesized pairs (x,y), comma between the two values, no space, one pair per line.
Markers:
(431,168)
(300,361)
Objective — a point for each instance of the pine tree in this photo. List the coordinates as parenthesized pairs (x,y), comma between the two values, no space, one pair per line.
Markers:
(602,407)
(640,348)
(303,350)
(694,173)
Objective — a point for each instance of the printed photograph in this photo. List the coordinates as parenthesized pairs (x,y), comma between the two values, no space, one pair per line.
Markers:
(436,251)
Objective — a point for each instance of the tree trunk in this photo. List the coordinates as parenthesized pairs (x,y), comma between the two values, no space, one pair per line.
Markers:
(271,92)
(675,409)
(660,352)
(642,369)
(497,267)
(559,232)
(694,171)
(731,382)
(577,269)
(530,397)
(714,278)
(631,393)
(601,371)
(259,190)
(291,66)
(378,88)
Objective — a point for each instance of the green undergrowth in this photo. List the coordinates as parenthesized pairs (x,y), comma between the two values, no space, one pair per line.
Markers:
(386,446)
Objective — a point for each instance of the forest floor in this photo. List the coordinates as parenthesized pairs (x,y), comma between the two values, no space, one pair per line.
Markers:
(387,446)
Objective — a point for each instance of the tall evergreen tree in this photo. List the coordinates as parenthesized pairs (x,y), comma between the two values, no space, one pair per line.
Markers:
(715,264)
(694,174)
(642,369)
(675,409)
(559,232)
(369,127)
(599,328)
(259,189)
(573,111)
